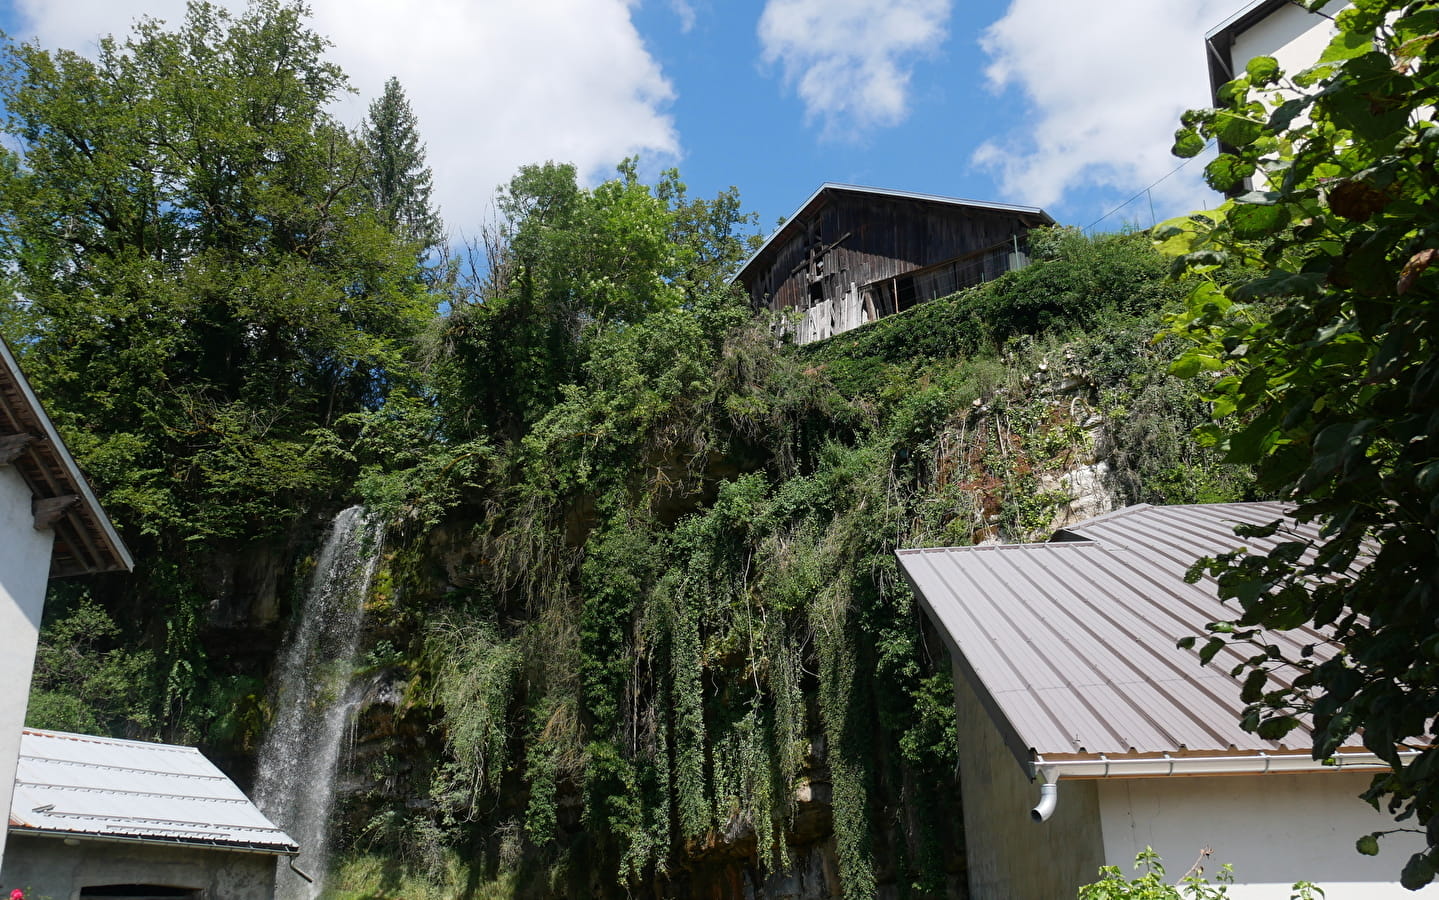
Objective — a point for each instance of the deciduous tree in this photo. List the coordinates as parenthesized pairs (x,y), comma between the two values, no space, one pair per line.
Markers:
(1326,378)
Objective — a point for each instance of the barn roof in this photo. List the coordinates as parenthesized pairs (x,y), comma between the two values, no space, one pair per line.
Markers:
(85,540)
(110,789)
(1070,645)
(830,188)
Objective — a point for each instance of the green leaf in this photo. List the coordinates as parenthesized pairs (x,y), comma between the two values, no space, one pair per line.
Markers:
(1236,130)
(1346,45)
(1253,687)
(1262,70)
(1185,234)
(1187,143)
(1226,172)
(1418,871)
(1211,649)
(1277,728)
(1252,222)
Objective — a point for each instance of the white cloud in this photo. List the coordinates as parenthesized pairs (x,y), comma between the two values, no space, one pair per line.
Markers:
(1106,81)
(850,60)
(495,84)
(684,10)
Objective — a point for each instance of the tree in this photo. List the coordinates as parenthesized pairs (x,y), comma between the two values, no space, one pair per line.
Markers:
(203,289)
(397,176)
(1326,379)
(568,264)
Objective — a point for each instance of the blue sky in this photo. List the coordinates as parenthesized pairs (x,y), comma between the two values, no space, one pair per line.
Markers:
(1065,104)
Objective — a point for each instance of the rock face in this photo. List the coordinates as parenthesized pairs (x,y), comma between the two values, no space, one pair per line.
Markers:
(393,748)
(1088,490)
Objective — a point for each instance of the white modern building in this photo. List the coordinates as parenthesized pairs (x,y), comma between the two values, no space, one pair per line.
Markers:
(51,526)
(1086,734)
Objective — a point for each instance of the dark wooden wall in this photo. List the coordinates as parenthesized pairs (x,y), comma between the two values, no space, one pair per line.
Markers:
(867,238)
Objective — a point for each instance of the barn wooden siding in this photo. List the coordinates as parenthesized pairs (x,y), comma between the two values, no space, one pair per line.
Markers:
(851,255)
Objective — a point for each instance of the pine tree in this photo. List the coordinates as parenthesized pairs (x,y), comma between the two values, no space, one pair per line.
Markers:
(398,177)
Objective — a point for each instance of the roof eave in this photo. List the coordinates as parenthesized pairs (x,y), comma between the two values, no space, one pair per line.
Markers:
(1101,766)
(115,555)
(216,844)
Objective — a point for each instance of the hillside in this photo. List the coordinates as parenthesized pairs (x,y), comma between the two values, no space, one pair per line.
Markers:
(658,643)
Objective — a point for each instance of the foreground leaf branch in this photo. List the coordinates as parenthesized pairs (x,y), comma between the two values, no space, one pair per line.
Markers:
(1324,377)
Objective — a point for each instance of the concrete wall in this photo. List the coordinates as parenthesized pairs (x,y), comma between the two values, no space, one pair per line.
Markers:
(24,571)
(45,868)
(1274,830)
(1010,857)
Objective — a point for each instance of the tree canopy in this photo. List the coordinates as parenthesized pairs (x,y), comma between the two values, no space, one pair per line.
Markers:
(202,288)
(1324,376)
(200,276)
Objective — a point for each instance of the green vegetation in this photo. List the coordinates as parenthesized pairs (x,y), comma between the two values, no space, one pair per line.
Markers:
(1192,885)
(680,613)
(641,609)
(1324,377)
(208,301)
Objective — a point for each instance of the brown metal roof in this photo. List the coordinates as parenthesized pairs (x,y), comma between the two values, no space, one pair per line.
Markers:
(1071,644)
(85,540)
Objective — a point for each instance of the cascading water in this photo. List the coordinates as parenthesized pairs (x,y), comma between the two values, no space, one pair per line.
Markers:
(314,701)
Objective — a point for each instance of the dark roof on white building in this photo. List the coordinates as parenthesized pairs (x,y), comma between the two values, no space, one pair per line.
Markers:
(75,785)
(1071,645)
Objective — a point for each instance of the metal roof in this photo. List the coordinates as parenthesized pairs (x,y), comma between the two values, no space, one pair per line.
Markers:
(85,540)
(75,784)
(831,186)
(1070,645)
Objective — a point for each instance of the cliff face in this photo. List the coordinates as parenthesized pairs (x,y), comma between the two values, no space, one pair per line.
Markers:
(662,649)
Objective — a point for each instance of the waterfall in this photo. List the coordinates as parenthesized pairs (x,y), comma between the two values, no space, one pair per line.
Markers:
(295,784)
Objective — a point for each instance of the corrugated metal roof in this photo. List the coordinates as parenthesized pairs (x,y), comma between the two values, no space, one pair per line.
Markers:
(132,790)
(1071,644)
(831,186)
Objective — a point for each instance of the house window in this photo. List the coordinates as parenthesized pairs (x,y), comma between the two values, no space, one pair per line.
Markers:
(141,892)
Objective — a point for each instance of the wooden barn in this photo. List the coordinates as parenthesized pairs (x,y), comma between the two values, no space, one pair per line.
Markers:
(852,254)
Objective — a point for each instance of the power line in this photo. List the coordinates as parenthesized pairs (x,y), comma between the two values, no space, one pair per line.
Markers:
(1142,191)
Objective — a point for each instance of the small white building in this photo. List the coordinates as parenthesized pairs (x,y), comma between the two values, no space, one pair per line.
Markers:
(130,820)
(1086,734)
(51,526)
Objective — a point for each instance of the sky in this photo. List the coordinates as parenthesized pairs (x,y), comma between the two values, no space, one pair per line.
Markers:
(1069,105)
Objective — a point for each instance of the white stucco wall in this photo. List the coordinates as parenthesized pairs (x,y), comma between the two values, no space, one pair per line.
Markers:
(1010,857)
(1274,830)
(24,571)
(1292,35)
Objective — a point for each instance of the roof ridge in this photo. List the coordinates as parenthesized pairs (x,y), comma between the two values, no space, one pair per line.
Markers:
(103,739)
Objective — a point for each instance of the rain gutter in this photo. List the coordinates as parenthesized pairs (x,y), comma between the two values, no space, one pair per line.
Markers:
(1261,763)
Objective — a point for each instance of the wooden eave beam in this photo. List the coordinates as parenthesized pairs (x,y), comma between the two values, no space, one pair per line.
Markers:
(48,510)
(12,445)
